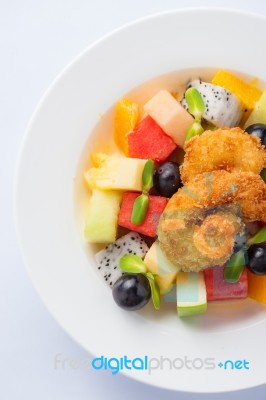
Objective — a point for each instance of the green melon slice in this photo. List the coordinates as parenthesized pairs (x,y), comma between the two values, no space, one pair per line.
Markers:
(258,115)
(191,294)
(101,222)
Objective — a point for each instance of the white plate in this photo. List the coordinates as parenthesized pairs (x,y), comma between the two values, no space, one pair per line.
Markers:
(61,265)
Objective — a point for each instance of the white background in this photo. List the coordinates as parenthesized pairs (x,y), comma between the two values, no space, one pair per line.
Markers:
(37,39)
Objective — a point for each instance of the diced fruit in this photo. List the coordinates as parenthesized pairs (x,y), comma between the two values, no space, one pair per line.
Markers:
(247,93)
(115,172)
(158,264)
(222,108)
(132,291)
(257,287)
(219,289)
(165,282)
(126,117)
(101,221)
(191,294)
(258,130)
(167,179)
(257,258)
(258,115)
(149,141)
(169,115)
(108,259)
(154,210)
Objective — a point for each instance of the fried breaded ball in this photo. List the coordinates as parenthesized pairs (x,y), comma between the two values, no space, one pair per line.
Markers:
(221,187)
(200,238)
(223,149)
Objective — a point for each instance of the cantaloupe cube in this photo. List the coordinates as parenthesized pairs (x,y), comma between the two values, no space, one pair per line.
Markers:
(247,93)
(169,115)
(101,222)
(115,172)
(126,117)
(257,287)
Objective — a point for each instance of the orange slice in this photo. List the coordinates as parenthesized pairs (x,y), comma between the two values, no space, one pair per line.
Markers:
(126,118)
(257,287)
(247,93)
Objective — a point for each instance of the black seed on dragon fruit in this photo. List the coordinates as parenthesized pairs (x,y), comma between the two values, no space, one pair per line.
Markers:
(108,258)
(222,108)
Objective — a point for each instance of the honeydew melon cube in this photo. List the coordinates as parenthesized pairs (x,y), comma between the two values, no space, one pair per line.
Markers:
(169,115)
(101,221)
(191,294)
(258,115)
(157,263)
(115,172)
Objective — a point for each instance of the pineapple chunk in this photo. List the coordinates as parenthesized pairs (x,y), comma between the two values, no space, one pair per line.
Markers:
(98,159)
(101,222)
(165,282)
(157,263)
(115,172)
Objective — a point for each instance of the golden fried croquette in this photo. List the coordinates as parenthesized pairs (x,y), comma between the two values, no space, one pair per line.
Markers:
(223,149)
(221,187)
(204,239)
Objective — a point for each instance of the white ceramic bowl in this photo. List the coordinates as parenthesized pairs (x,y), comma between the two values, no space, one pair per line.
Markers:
(61,265)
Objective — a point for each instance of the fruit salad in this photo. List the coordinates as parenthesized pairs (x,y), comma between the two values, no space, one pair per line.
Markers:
(180,207)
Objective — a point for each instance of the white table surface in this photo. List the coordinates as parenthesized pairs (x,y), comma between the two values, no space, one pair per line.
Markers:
(37,39)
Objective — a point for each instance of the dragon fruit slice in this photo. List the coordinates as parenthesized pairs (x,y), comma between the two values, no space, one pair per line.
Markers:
(108,258)
(222,108)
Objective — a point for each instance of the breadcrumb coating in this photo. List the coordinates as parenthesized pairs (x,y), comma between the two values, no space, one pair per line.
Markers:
(220,187)
(226,149)
(203,238)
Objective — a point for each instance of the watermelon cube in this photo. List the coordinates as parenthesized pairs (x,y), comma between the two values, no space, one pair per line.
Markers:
(169,115)
(219,289)
(149,225)
(149,141)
